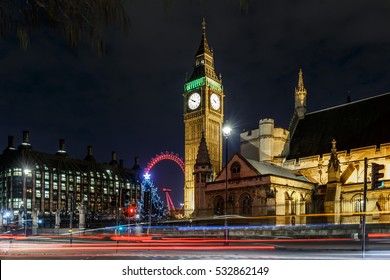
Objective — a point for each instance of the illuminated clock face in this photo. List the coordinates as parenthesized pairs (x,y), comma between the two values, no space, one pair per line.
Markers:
(215,102)
(194,101)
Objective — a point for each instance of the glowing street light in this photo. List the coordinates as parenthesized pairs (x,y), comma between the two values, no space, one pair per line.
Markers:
(226,132)
(26,172)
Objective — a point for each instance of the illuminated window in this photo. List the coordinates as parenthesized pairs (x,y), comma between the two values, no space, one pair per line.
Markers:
(17,172)
(357,202)
(17,202)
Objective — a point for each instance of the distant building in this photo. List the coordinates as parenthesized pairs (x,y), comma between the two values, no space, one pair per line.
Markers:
(316,166)
(32,180)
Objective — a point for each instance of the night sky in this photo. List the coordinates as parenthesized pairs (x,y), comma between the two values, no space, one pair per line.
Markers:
(130,100)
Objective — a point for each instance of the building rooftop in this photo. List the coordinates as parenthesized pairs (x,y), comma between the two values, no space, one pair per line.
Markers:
(353,125)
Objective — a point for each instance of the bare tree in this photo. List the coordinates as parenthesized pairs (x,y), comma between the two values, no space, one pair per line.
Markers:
(76,19)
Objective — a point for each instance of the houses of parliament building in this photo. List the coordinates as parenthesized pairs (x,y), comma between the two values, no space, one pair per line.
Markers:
(322,168)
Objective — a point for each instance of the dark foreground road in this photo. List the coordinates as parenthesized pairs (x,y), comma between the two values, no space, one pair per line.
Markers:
(191,248)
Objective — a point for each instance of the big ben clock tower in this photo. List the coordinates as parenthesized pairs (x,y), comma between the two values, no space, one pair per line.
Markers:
(203,112)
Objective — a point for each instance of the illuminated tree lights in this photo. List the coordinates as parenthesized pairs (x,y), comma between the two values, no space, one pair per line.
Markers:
(151,205)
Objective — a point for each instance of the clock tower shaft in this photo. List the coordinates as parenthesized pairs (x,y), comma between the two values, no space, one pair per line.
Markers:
(202,118)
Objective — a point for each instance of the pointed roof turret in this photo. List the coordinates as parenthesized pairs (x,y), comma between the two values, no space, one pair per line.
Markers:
(334,161)
(203,156)
(301,86)
(204,59)
(333,169)
(300,97)
(204,46)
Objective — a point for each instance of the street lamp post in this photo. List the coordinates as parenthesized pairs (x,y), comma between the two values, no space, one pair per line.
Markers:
(24,214)
(226,133)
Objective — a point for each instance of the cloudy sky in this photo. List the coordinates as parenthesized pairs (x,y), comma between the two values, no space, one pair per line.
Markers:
(130,100)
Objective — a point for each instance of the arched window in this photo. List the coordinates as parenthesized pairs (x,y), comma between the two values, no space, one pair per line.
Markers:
(307,204)
(235,169)
(319,206)
(219,205)
(245,204)
(357,203)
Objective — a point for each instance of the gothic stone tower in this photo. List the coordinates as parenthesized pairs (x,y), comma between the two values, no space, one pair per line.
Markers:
(203,112)
(203,173)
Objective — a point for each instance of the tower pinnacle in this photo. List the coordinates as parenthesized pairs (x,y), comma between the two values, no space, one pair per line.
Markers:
(301,87)
(300,97)
(204,59)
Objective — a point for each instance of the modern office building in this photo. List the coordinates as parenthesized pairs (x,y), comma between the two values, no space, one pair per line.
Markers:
(34,180)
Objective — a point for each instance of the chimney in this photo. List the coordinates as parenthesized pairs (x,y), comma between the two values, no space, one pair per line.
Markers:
(90,153)
(11,142)
(61,147)
(136,166)
(26,138)
(113,156)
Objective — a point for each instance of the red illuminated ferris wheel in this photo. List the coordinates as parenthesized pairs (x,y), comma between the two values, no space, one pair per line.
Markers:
(165,156)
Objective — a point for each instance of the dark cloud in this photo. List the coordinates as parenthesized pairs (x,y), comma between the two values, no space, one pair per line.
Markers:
(130,100)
